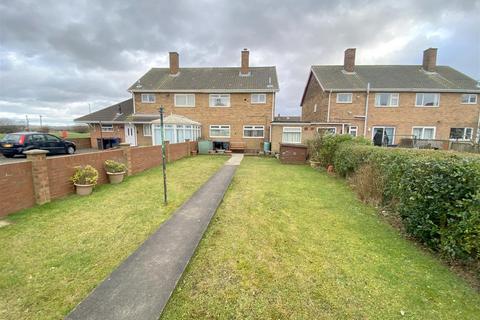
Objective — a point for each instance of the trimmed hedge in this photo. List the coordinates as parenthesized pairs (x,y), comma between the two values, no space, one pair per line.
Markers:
(436,193)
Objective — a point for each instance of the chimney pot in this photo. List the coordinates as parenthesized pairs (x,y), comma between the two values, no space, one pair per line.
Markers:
(244,70)
(430,59)
(174,63)
(349,60)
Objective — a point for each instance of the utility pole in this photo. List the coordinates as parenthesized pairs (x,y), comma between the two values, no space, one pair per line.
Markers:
(163,157)
(28,124)
(89,108)
(41,125)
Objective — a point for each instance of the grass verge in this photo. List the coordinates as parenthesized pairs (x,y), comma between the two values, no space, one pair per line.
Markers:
(289,242)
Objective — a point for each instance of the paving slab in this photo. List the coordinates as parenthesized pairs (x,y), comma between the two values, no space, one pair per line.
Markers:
(141,286)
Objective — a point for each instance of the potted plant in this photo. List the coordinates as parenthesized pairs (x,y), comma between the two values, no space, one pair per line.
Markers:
(115,171)
(84,179)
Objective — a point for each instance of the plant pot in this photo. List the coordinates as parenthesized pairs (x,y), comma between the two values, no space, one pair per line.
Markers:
(115,177)
(84,189)
(314,164)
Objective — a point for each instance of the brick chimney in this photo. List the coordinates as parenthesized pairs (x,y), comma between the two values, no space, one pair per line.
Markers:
(244,70)
(430,59)
(174,63)
(349,60)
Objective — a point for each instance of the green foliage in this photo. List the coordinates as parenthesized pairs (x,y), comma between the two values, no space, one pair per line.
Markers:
(436,193)
(323,146)
(85,175)
(113,166)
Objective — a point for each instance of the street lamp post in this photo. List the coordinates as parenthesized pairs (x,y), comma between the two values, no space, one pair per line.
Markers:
(163,156)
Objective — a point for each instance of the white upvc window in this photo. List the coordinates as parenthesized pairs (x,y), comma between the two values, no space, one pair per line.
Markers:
(184,100)
(353,130)
(383,135)
(219,100)
(427,100)
(292,135)
(107,127)
(386,99)
(426,133)
(251,131)
(469,98)
(147,130)
(327,130)
(258,98)
(148,98)
(344,97)
(464,134)
(315,108)
(220,131)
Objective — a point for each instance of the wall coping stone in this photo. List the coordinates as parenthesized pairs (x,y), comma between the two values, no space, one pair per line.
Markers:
(35,151)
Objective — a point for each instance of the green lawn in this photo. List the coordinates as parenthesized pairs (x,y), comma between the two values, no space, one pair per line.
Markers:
(289,242)
(71,134)
(53,255)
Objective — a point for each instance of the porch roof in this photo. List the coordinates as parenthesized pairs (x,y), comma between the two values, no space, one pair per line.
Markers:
(177,119)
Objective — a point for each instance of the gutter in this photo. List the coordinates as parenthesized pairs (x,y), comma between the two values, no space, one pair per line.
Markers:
(366,111)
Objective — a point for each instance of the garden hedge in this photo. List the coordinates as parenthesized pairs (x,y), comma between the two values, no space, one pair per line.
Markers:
(436,193)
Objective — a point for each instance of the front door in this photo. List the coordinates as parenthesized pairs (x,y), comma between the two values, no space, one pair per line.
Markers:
(130,134)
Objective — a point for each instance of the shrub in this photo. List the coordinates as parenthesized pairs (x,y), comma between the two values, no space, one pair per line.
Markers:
(322,147)
(85,175)
(436,193)
(114,166)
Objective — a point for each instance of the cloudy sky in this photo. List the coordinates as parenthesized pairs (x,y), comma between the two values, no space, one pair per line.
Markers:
(57,57)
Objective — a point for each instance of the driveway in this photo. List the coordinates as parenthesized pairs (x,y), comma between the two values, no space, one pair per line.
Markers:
(4,160)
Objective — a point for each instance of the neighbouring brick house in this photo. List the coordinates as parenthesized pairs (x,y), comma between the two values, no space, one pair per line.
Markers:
(232,106)
(398,101)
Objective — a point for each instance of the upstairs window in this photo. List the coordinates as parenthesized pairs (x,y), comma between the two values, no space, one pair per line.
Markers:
(427,99)
(219,100)
(184,100)
(386,99)
(292,135)
(469,98)
(259,98)
(461,133)
(344,97)
(148,98)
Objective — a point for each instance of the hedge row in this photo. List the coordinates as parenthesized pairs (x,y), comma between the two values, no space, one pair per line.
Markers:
(436,193)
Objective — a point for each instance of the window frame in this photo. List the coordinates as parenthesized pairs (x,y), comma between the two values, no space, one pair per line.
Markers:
(385,127)
(423,100)
(327,128)
(147,126)
(148,95)
(344,93)
(469,96)
(103,125)
(186,99)
(390,98)
(350,130)
(258,94)
(297,130)
(218,94)
(464,134)
(219,128)
(423,132)
(254,128)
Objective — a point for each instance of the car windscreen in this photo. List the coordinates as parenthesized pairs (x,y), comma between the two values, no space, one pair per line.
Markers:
(13,138)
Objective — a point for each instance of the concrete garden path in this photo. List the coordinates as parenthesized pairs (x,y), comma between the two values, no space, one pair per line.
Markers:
(141,286)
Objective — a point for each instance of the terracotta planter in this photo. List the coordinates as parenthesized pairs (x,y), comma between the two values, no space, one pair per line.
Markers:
(115,177)
(314,164)
(84,189)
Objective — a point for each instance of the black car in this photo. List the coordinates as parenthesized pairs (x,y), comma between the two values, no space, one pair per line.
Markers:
(16,143)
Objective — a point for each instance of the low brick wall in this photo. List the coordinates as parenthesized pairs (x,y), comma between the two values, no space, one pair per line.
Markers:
(81,143)
(40,179)
(293,153)
(16,187)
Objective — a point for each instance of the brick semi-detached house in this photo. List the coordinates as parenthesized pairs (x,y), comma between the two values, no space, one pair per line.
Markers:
(231,106)
(398,101)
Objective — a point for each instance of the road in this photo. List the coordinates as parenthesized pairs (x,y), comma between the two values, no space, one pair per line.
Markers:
(4,160)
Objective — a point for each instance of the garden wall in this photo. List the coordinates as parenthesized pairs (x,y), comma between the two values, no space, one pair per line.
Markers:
(81,143)
(40,179)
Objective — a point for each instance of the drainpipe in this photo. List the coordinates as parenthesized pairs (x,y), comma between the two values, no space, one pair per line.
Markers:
(328,108)
(366,111)
(478,128)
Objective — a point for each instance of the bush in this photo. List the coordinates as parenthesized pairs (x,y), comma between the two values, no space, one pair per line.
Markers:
(322,147)
(114,166)
(436,193)
(85,175)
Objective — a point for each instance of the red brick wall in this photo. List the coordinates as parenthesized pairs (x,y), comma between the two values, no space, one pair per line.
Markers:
(144,158)
(16,187)
(82,143)
(293,154)
(61,168)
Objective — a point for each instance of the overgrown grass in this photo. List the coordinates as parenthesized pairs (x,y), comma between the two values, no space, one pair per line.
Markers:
(289,242)
(53,255)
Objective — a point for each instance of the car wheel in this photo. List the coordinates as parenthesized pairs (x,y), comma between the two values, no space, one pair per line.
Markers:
(70,150)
